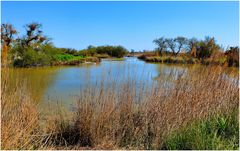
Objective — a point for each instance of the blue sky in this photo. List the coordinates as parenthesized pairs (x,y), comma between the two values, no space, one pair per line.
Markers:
(131,24)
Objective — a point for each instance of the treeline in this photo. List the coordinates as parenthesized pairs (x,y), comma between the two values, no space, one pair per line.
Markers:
(31,49)
(99,51)
(35,49)
(203,50)
(104,51)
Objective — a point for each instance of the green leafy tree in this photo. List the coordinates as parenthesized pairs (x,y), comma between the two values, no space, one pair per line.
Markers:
(113,51)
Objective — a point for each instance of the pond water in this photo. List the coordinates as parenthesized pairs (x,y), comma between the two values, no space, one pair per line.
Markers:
(66,82)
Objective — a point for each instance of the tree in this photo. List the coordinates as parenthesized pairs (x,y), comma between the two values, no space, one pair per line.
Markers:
(207,47)
(90,47)
(161,43)
(192,46)
(233,56)
(171,44)
(7,37)
(34,34)
(180,44)
(132,52)
(113,51)
(7,33)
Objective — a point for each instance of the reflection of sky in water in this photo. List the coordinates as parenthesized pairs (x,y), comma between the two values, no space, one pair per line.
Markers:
(65,84)
(69,81)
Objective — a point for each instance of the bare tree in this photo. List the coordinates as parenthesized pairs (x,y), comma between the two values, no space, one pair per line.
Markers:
(33,34)
(176,45)
(180,43)
(161,43)
(7,33)
(171,44)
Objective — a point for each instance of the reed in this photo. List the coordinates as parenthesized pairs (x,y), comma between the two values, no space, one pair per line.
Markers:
(118,117)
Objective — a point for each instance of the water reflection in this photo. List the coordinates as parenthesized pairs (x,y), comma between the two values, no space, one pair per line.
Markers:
(34,82)
(65,83)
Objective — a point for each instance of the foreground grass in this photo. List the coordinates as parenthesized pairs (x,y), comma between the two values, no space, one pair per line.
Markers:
(189,115)
(216,132)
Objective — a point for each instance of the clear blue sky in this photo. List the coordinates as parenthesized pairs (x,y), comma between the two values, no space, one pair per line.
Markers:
(131,24)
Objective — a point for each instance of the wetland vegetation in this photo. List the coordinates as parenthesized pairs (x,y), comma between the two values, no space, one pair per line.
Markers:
(182,95)
(184,108)
(181,50)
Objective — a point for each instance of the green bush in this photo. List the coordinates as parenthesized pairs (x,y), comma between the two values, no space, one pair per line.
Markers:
(219,132)
(112,51)
(207,47)
(40,55)
(66,57)
(31,57)
(88,52)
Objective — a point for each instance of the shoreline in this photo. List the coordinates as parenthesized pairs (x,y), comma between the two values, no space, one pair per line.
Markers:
(183,60)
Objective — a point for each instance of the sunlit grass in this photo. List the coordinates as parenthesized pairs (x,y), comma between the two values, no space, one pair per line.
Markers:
(114,118)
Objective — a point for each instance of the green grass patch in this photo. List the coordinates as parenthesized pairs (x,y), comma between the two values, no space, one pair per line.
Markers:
(115,59)
(67,57)
(218,132)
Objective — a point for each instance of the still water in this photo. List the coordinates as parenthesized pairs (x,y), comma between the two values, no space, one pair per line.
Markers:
(66,82)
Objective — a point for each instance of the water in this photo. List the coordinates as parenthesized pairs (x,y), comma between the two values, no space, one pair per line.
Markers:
(64,84)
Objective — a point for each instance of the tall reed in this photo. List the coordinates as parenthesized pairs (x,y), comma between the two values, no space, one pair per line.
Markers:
(118,116)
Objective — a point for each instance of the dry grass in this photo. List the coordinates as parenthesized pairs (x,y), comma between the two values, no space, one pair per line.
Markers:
(20,124)
(172,60)
(113,117)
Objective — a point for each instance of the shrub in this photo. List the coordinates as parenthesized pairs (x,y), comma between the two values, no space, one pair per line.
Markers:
(31,57)
(66,57)
(41,55)
(88,52)
(216,132)
(113,51)
(206,48)
(233,56)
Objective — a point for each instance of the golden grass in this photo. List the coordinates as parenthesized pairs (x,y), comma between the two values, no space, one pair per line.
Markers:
(113,117)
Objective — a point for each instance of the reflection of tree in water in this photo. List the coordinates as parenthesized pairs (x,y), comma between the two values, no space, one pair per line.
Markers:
(33,81)
(168,74)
